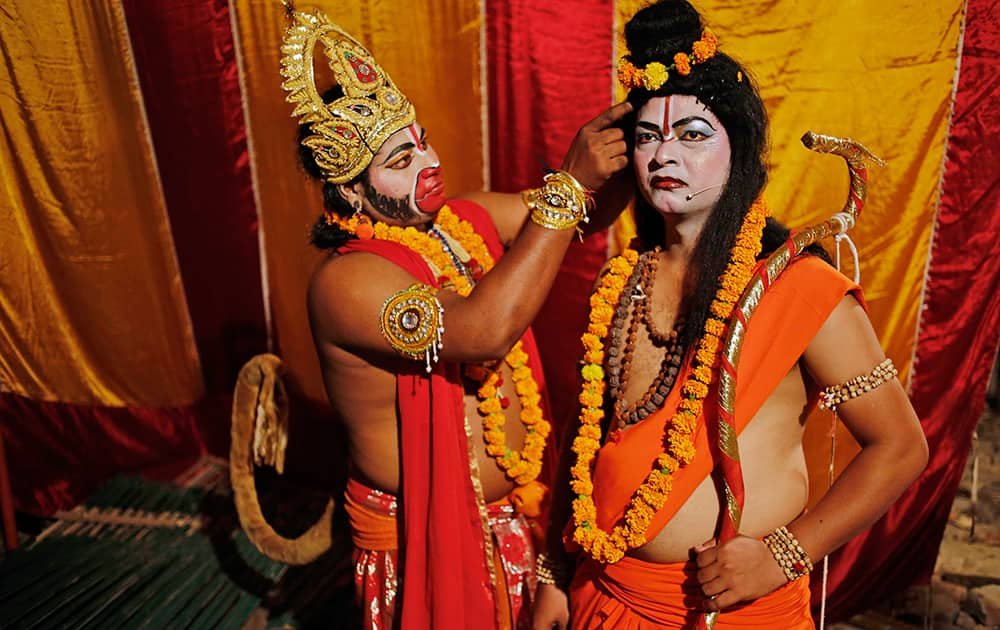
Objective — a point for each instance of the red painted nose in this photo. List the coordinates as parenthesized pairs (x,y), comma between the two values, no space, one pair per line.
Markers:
(429,195)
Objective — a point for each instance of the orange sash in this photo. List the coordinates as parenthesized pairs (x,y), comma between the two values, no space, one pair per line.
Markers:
(790,314)
(370,529)
(636,595)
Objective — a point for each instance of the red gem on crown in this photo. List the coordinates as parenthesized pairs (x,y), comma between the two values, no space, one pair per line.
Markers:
(364,72)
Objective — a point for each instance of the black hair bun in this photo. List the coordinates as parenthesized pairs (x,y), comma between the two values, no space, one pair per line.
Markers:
(659,31)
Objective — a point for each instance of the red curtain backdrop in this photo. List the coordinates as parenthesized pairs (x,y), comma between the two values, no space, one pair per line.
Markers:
(957,342)
(190,82)
(187,69)
(543,87)
(60,453)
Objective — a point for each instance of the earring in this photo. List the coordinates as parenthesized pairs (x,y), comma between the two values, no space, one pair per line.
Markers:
(364,231)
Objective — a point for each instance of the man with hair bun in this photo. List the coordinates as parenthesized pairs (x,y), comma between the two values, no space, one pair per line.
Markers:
(634,534)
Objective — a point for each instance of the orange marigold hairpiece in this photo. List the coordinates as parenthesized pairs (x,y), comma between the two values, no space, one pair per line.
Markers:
(655,74)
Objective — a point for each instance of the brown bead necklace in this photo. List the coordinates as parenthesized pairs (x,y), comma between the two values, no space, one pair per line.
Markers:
(639,290)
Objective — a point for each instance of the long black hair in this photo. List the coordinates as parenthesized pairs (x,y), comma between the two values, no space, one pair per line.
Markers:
(657,33)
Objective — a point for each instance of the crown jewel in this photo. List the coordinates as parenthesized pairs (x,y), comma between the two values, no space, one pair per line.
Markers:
(348,131)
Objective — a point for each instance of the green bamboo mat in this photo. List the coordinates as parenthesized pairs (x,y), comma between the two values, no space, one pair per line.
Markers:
(140,554)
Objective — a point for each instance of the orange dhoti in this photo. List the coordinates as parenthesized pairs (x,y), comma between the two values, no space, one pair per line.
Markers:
(634,594)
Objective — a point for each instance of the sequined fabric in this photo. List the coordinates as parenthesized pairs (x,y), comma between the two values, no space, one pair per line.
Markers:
(512,537)
(376,579)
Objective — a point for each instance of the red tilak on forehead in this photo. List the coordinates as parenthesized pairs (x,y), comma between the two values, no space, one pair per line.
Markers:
(412,129)
(666,118)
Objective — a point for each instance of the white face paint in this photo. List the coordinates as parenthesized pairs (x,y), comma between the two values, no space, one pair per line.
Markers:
(404,184)
(681,155)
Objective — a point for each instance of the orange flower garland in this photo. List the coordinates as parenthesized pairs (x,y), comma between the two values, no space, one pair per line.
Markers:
(655,74)
(429,247)
(610,547)
(525,466)
(521,466)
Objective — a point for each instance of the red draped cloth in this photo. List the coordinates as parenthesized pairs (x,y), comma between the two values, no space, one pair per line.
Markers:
(445,572)
(542,90)
(186,61)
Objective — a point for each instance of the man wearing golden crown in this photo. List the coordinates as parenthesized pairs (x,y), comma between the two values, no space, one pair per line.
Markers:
(422,332)
(685,490)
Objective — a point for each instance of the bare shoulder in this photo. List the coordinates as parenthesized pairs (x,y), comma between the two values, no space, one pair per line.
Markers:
(348,289)
(845,346)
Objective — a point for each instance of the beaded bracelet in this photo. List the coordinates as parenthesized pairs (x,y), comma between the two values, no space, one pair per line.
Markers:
(857,386)
(789,554)
(549,571)
(560,204)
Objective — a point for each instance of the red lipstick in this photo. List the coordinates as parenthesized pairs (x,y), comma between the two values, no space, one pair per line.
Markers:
(667,183)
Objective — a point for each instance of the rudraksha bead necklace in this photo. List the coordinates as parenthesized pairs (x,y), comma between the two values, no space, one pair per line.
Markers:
(639,291)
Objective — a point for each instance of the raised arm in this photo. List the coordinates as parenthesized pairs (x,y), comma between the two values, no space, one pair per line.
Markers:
(599,139)
(487,323)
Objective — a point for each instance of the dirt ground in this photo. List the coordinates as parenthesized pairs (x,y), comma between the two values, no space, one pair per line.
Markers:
(965,590)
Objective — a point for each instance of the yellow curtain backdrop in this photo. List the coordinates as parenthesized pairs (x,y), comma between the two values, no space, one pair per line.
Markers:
(882,73)
(91,301)
(432,51)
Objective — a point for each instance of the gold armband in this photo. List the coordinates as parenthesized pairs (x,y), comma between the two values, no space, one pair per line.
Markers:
(857,386)
(560,204)
(412,321)
(789,554)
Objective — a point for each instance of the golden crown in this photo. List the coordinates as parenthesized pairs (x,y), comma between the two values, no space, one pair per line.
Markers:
(348,131)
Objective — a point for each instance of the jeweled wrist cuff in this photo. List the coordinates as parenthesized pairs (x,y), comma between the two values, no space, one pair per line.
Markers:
(560,204)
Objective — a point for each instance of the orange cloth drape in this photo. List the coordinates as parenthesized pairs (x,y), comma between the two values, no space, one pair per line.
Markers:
(882,73)
(431,50)
(792,310)
(94,310)
(637,595)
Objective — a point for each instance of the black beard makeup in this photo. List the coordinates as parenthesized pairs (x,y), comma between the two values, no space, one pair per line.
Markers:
(392,207)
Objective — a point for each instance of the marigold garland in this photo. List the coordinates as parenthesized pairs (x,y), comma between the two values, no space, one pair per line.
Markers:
(522,466)
(655,74)
(610,547)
